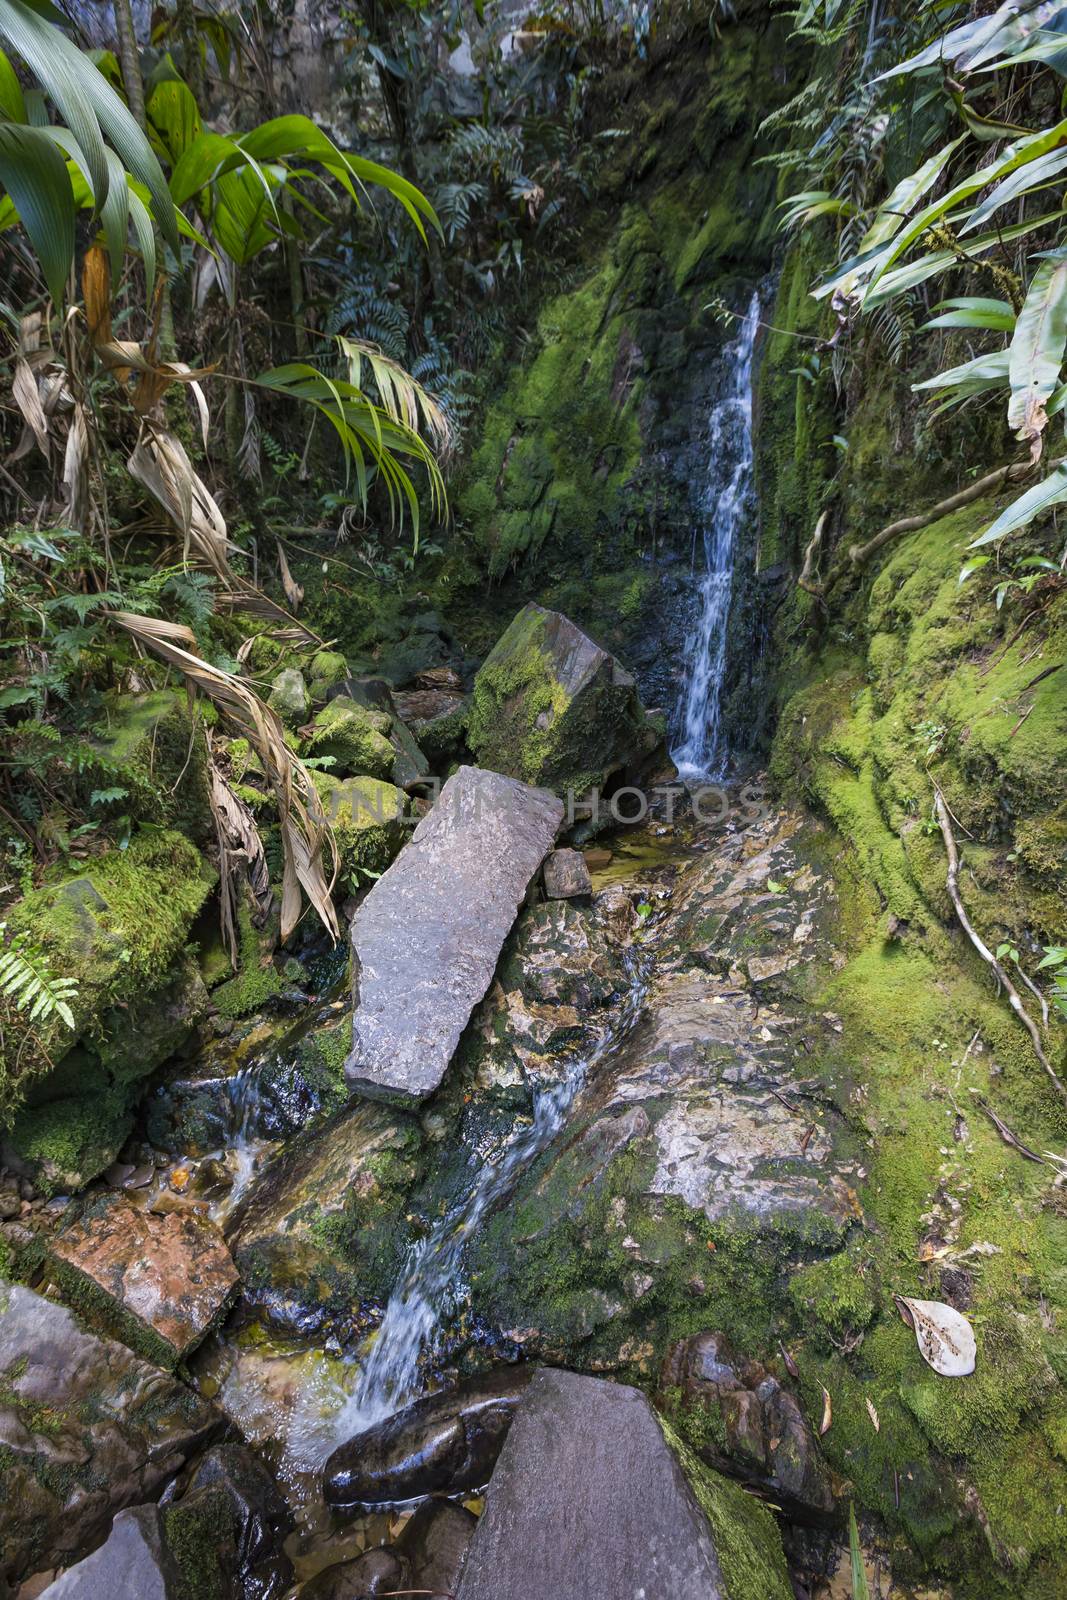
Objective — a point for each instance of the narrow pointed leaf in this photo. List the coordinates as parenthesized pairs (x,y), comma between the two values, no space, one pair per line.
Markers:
(35,176)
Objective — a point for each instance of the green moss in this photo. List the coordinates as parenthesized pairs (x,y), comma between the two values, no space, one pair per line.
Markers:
(327,668)
(367,817)
(117,928)
(257,980)
(69,1141)
(355,737)
(837,1292)
(152,746)
(199,1535)
(746,1537)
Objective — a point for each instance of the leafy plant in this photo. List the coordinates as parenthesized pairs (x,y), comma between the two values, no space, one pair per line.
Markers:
(1055,963)
(25,980)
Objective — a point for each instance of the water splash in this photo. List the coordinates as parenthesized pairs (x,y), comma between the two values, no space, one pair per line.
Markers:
(432,1285)
(700,752)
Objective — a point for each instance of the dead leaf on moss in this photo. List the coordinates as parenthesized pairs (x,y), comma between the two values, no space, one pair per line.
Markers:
(944,1336)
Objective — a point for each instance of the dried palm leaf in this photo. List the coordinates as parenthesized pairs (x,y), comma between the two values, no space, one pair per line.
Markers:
(305,832)
(76,470)
(241,857)
(294,592)
(256,604)
(160,465)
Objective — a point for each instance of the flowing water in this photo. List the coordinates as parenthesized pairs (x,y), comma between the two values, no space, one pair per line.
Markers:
(432,1284)
(699,752)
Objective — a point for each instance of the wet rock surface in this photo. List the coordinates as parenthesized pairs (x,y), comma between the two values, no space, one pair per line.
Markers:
(426,939)
(552,707)
(434,1545)
(440,1445)
(376,1572)
(756,1427)
(323,1226)
(588,1499)
(159,1282)
(132,1561)
(698,1131)
(567,875)
(87,1429)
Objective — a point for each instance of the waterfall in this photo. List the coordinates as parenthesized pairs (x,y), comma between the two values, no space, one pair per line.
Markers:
(725,499)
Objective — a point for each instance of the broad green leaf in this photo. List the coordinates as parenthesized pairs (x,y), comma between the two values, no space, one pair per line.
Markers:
(917,272)
(1037,346)
(987,371)
(60,68)
(1019,154)
(35,175)
(209,155)
(967,311)
(173,112)
(12,102)
(1051,491)
(908,192)
(969,568)
(861,1589)
(1035,175)
(145,235)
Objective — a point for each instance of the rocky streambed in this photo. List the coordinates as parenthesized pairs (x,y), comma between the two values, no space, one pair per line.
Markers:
(519,1250)
(633,1147)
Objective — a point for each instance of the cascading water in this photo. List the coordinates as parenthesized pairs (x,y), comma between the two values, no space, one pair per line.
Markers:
(432,1284)
(699,749)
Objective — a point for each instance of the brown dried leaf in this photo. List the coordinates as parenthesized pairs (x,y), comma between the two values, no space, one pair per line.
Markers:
(96,293)
(305,832)
(827,1412)
(873,1414)
(790,1363)
(27,398)
(160,465)
(294,592)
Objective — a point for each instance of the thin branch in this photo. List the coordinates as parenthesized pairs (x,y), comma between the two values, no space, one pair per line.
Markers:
(992,481)
(952,884)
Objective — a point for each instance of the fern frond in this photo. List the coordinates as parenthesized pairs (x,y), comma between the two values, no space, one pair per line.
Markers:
(26,980)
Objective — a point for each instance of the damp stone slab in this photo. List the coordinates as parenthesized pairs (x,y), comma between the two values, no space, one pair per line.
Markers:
(588,1499)
(426,940)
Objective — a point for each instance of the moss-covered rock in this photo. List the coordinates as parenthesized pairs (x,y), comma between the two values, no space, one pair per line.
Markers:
(367,817)
(326,1226)
(153,747)
(553,708)
(118,928)
(355,737)
(289,697)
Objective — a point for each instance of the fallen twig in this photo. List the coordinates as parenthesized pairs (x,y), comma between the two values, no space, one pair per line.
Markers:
(952,884)
(1006,1133)
(982,486)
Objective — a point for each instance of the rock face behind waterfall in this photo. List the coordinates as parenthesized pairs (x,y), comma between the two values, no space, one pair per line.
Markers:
(552,707)
(425,942)
(589,1500)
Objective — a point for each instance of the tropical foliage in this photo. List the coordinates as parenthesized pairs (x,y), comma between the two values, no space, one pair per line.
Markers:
(982,206)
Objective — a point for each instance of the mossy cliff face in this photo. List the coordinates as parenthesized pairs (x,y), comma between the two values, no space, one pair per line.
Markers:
(901,681)
(583,487)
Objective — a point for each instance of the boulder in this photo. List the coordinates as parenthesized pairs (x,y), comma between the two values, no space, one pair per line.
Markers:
(440,1445)
(87,1429)
(375,1572)
(701,1162)
(221,1539)
(567,875)
(131,1564)
(551,707)
(426,939)
(289,697)
(748,1422)
(119,928)
(434,1544)
(367,817)
(588,1499)
(232,1510)
(354,737)
(324,1225)
(160,1283)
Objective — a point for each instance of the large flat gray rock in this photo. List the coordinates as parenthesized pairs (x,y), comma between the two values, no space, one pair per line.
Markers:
(589,1500)
(425,942)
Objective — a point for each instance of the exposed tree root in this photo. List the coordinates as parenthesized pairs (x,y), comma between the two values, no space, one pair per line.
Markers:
(952,884)
(992,481)
(806,580)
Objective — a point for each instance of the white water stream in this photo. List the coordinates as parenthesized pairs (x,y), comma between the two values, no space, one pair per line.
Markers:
(432,1285)
(699,751)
